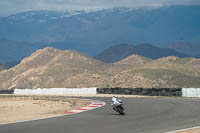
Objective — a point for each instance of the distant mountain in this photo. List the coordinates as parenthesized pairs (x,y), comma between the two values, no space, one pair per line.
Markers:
(92,32)
(154,52)
(115,53)
(118,52)
(35,26)
(11,50)
(53,68)
(192,49)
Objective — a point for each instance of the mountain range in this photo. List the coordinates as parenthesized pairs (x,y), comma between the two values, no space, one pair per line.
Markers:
(50,67)
(119,52)
(192,49)
(159,26)
(92,32)
(14,51)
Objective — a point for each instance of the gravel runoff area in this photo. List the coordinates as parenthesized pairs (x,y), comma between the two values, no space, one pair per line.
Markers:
(23,108)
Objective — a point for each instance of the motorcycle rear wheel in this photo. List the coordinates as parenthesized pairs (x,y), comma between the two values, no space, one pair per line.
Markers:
(120,110)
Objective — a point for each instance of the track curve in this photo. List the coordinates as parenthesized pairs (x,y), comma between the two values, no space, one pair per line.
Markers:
(143,115)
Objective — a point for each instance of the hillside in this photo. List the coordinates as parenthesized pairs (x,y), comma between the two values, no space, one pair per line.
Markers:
(169,71)
(134,60)
(187,66)
(119,52)
(50,67)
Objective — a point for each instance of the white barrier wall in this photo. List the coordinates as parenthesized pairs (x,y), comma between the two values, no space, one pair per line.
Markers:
(191,92)
(55,91)
(186,92)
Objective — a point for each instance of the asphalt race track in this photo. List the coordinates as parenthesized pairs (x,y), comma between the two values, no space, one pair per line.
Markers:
(143,115)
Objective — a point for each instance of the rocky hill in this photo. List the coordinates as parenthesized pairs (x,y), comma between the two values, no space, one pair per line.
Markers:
(49,67)
(134,60)
(180,71)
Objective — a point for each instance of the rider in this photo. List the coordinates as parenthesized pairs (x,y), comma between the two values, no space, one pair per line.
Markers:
(115,102)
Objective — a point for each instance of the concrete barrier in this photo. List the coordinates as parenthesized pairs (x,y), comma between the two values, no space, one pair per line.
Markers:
(55,91)
(191,92)
(184,92)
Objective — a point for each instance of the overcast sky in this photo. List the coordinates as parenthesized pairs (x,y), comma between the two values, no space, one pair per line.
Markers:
(8,7)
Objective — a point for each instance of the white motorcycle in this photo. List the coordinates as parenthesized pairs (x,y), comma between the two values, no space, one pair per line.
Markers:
(119,107)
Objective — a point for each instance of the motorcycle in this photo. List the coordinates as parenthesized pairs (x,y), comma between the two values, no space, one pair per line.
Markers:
(119,108)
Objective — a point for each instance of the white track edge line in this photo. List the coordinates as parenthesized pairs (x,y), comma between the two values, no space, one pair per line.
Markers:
(103,104)
(183,129)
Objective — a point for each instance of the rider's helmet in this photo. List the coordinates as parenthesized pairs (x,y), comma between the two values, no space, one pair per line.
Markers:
(113,97)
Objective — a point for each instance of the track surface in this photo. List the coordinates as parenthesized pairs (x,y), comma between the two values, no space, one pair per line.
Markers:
(143,115)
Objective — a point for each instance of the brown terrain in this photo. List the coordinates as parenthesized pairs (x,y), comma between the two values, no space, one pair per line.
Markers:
(49,67)
(20,108)
(190,131)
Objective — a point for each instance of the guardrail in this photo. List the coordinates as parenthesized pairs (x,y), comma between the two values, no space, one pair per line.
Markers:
(7,91)
(142,91)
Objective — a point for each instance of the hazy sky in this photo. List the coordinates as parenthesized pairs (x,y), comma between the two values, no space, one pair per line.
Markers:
(8,7)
